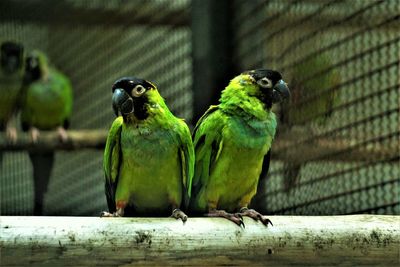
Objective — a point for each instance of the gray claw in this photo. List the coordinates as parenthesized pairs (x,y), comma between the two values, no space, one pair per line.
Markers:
(255,216)
(178,214)
(108,214)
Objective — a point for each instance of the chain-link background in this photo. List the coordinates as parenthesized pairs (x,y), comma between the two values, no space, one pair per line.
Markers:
(95,43)
(337,147)
(341,60)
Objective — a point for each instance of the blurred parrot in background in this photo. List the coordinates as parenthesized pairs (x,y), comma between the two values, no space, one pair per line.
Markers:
(46,105)
(11,76)
(232,146)
(149,156)
(312,101)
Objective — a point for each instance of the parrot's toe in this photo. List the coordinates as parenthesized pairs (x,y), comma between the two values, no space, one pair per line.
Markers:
(178,214)
(255,215)
(108,214)
(11,133)
(233,217)
(34,134)
(62,133)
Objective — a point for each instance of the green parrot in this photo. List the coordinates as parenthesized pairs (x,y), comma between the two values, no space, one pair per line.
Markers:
(321,83)
(149,156)
(232,145)
(11,77)
(46,105)
(323,78)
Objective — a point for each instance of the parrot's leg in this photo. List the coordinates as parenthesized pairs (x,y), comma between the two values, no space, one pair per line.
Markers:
(118,213)
(34,134)
(62,133)
(255,215)
(178,214)
(120,210)
(11,132)
(233,217)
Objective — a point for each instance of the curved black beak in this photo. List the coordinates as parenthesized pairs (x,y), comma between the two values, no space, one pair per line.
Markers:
(280,92)
(122,102)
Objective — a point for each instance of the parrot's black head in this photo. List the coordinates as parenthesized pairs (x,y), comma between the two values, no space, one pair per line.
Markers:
(273,88)
(11,57)
(32,68)
(129,96)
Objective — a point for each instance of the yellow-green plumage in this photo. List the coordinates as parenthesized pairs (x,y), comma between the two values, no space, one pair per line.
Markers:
(47,100)
(314,96)
(313,80)
(46,104)
(149,163)
(230,141)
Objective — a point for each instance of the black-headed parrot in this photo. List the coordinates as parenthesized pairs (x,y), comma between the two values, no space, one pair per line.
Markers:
(149,157)
(47,99)
(314,95)
(11,77)
(232,143)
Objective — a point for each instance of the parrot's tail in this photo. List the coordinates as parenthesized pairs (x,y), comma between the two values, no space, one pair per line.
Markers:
(291,176)
(42,164)
(1,153)
(1,162)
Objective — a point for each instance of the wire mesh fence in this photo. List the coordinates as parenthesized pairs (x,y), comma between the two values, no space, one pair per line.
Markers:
(337,150)
(94,43)
(341,59)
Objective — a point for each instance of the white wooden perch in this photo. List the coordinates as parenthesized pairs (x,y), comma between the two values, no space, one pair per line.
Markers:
(89,241)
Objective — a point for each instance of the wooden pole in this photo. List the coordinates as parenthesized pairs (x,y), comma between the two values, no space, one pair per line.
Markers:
(293,240)
(49,140)
(286,147)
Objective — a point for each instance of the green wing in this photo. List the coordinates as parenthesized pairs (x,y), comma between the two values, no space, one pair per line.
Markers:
(186,153)
(208,145)
(111,162)
(67,93)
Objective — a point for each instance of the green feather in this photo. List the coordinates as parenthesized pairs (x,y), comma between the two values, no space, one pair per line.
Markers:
(149,163)
(47,101)
(46,104)
(314,77)
(230,142)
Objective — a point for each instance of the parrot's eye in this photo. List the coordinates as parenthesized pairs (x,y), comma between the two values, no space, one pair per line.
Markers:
(138,90)
(265,83)
(33,63)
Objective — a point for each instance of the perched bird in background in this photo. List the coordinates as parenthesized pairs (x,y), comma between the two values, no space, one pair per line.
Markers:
(232,142)
(149,157)
(11,76)
(312,101)
(46,105)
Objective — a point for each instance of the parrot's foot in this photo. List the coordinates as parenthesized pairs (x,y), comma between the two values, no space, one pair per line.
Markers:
(62,134)
(34,134)
(178,214)
(108,214)
(234,217)
(255,215)
(11,133)
(118,213)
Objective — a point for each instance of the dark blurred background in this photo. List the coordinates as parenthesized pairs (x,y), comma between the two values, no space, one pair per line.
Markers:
(337,150)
